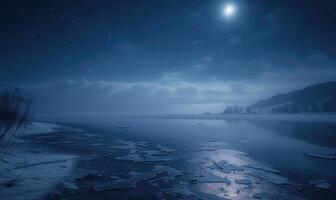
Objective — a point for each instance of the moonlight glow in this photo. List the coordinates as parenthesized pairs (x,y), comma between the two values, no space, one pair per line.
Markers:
(228,10)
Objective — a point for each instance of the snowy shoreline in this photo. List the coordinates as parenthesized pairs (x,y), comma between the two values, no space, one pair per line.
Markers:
(30,173)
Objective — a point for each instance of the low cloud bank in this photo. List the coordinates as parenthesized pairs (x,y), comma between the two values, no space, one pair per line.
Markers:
(166,97)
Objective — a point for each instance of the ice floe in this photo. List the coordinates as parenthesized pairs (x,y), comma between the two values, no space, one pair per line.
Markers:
(225,167)
(172,173)
(320,184)
(138,154)
(263,168)
(207,177)
(135,177)
(243,182)
(329,157)
(235,173)
(269,177)
(129,183)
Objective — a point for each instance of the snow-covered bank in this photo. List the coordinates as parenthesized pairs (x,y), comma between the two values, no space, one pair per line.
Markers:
(30,173)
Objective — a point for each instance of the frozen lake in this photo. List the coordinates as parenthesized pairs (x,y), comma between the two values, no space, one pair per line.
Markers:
(195,157)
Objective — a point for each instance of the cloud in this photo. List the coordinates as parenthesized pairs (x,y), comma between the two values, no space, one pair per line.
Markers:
(168,95)
(207,59)
(203,64)
(200,67)
(112,97)
(131,98)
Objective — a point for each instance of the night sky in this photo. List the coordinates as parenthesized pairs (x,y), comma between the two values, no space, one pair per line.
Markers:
(164,56)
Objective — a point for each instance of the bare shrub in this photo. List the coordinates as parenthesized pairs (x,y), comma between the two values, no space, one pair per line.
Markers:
(15,112)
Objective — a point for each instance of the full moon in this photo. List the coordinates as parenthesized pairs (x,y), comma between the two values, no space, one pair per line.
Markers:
(228,10)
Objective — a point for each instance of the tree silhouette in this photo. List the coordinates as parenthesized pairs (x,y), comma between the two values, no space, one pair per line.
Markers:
(15,112)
